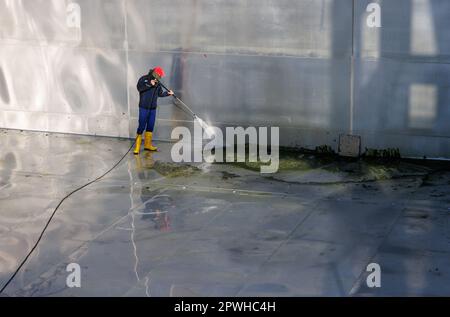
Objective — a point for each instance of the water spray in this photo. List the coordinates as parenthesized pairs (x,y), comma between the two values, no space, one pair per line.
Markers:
(209,131)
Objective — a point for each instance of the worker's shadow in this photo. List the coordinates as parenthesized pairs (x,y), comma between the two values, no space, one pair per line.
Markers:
(144,162)
(152,210)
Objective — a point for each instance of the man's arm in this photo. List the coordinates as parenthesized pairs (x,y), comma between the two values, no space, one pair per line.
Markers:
(163,94)
(143,84)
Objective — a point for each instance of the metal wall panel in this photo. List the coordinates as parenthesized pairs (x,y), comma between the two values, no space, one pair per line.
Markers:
(281,63)
(239,90)
(261,27)
(237,62)
(402,82)
(57,78)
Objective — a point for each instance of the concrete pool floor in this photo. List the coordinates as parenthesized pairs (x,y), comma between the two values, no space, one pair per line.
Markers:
(150,228)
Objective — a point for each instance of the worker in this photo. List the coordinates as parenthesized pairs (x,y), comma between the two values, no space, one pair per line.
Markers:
(149,91)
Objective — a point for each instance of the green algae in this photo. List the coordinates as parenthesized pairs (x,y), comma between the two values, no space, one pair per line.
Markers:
(173,170)
(373,168)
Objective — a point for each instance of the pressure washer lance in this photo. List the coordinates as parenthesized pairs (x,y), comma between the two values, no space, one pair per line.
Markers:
(208,129)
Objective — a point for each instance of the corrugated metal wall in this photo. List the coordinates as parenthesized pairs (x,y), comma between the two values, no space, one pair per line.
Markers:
(312,67)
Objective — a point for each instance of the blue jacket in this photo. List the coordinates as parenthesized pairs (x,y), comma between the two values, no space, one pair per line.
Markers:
(148,94)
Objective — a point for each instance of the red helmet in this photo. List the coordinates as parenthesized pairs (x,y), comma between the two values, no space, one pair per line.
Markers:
(158,72)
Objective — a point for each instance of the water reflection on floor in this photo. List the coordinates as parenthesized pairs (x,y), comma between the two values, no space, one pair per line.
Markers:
(153,228)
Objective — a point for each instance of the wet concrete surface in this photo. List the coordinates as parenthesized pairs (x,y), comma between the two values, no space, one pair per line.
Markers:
(154,228)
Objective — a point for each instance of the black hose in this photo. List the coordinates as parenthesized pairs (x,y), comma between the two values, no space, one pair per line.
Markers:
(54,213)
(61,202)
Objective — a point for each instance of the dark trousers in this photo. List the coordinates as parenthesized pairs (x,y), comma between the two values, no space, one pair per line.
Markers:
(147,120)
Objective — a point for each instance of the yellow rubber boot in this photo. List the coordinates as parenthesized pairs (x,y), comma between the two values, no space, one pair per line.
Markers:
(148,142)
(137,148)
